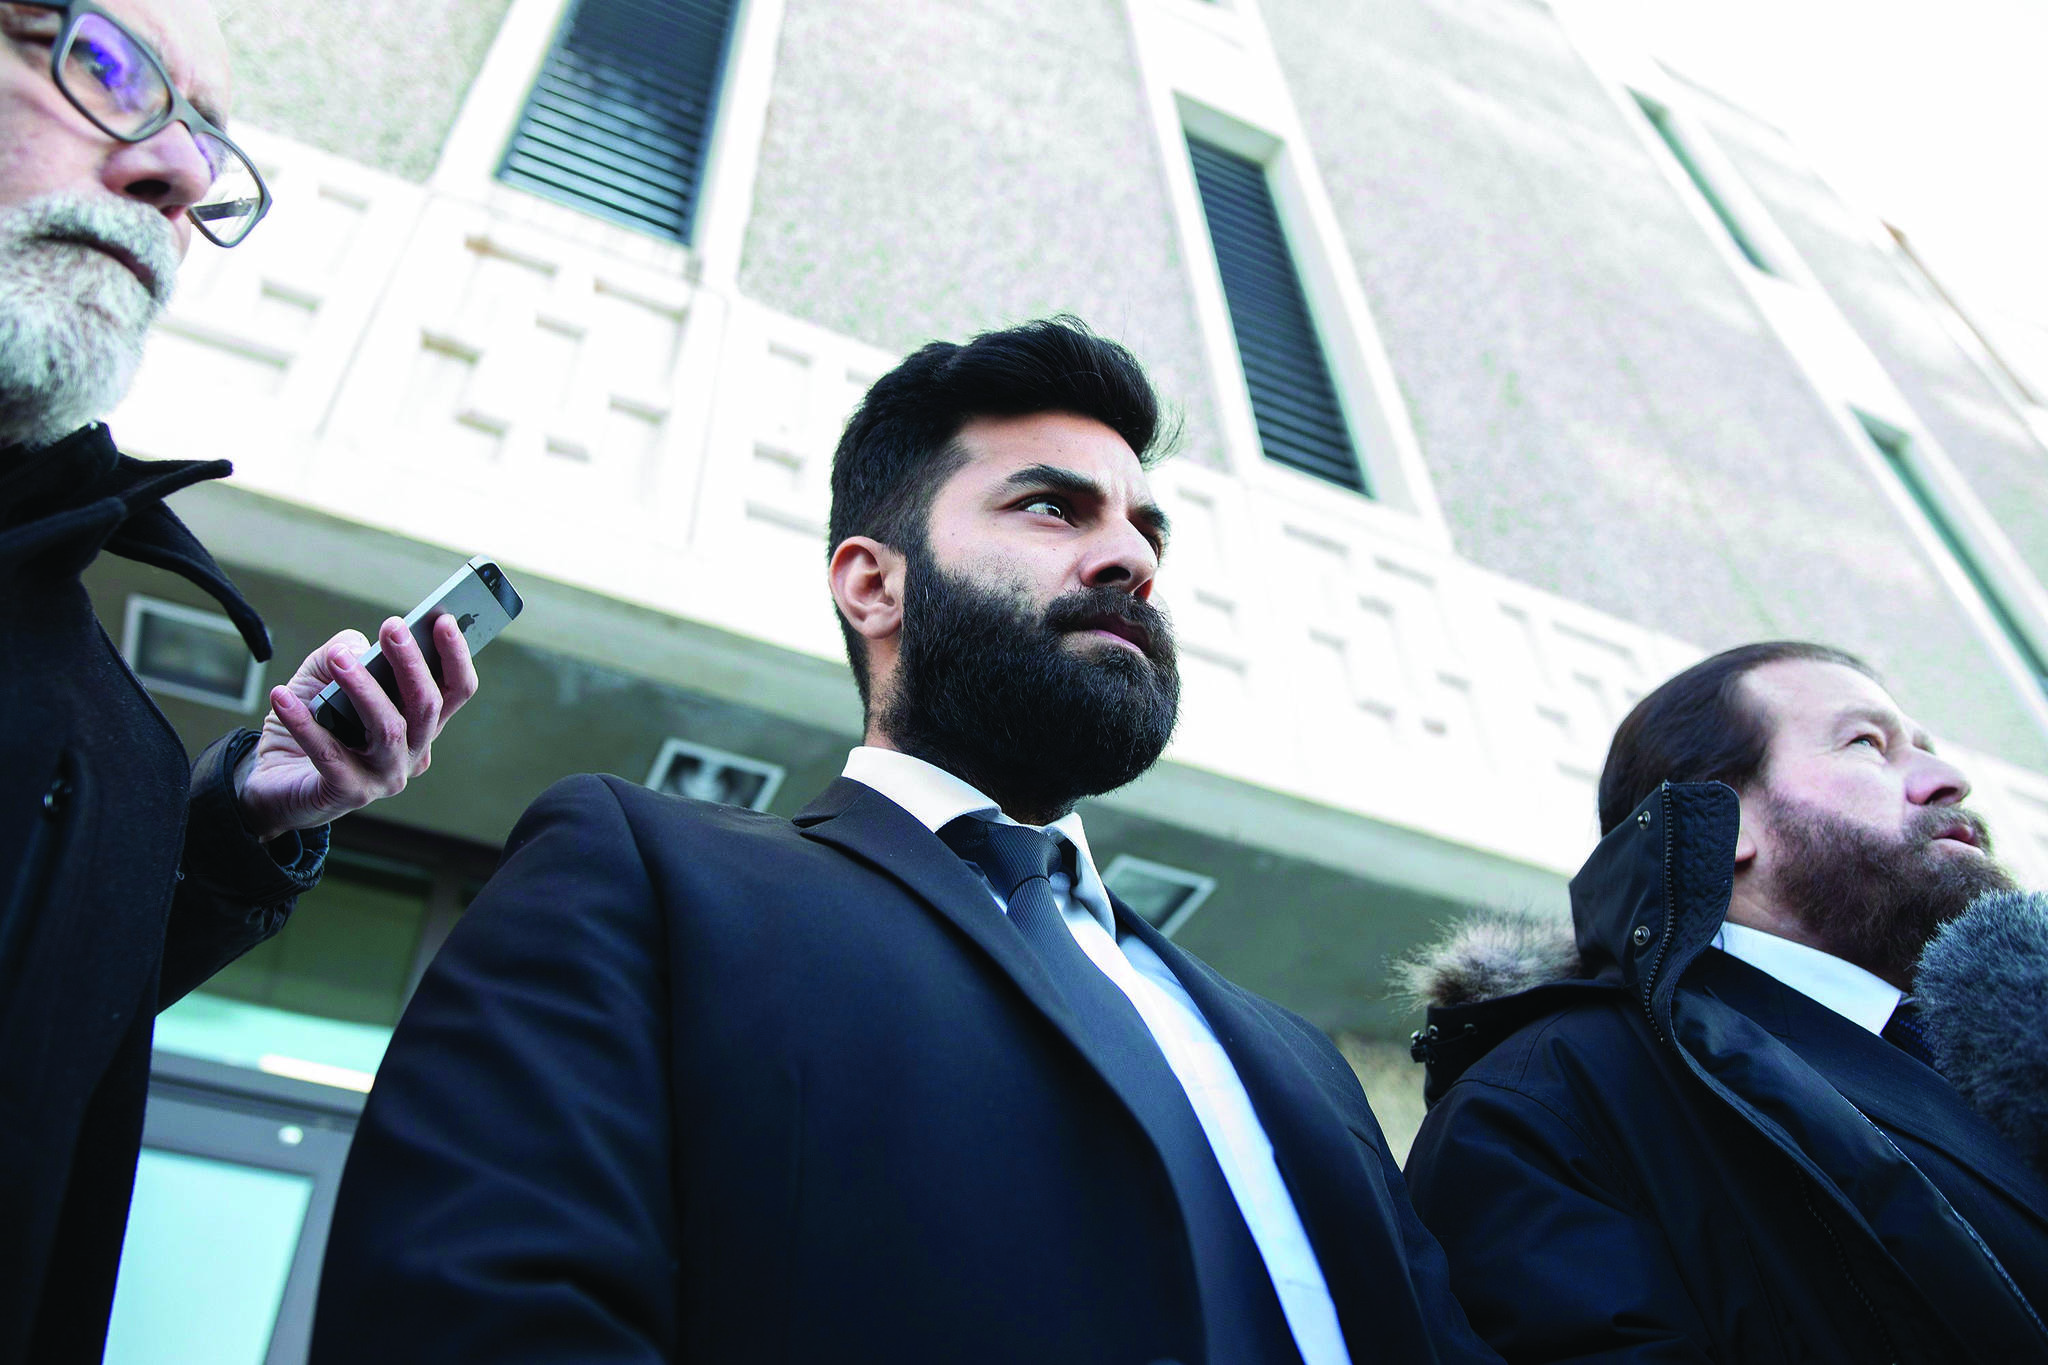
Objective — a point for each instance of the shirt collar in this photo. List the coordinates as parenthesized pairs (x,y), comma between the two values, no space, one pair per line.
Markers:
(935,798)
(1843,987)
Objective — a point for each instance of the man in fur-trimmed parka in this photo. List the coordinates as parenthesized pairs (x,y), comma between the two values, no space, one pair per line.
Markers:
(1702,1122)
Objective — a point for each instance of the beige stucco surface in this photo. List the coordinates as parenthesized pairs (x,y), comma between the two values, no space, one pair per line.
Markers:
(374,80)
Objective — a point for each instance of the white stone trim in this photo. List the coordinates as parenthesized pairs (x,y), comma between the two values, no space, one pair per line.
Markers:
(725,200)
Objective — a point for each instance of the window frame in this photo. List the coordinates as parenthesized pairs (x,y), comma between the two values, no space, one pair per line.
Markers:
(1692,153)
(141,605)
(1211,72)
(1200,886)
(222,1113)
(2018,624)
(673,747)
(1264,166)
(693,176)
(725,190)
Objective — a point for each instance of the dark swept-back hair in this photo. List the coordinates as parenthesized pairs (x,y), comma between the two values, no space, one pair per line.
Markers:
(900,444)
(1698,727)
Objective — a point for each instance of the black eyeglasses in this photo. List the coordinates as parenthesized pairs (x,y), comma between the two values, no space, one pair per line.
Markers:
(118,82)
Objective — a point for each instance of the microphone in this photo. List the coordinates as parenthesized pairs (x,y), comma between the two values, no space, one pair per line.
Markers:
(1982,991)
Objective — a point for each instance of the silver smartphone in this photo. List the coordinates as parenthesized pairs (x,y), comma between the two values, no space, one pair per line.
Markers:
(477,595)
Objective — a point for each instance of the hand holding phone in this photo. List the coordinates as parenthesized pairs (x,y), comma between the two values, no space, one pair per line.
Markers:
(482,601)
(301,775)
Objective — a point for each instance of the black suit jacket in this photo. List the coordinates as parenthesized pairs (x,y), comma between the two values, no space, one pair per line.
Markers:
(691,1083)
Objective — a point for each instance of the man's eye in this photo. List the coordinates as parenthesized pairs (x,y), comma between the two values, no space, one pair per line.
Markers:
(1874,741)
(1048,507)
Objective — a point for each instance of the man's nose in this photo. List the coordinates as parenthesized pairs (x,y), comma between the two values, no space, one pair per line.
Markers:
(166,171)
(1121,557)
(1936,782)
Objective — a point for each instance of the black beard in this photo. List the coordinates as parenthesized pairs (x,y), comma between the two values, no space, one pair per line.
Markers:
(995,693)
(1876,901)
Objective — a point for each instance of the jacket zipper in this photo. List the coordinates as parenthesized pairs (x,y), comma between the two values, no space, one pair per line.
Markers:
(1670,920)
(37,864)
(1884,1331)
(1975,1236)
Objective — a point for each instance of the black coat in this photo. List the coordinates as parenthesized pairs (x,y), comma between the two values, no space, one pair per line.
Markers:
(126,878)
(691,1083)
(1672,1156)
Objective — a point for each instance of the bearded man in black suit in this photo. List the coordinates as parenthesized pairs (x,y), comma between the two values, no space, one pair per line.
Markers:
(898,1079)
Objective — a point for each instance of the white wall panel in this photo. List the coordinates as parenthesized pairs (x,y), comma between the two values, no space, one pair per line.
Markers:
(423,364)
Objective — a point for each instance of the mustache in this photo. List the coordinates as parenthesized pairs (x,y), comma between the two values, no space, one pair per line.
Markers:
(1929,824)
(1087,608)
(138,236)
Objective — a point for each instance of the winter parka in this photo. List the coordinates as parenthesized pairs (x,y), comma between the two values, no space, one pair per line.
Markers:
(1640,1148)
(126,877)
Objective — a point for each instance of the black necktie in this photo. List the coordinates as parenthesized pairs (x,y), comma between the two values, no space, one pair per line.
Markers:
(1241,1314)
(1905,1032)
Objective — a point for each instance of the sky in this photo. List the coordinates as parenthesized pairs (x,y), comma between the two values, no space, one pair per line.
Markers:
(1932,114)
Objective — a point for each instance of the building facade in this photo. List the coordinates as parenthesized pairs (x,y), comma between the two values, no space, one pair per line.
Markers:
(1514,374)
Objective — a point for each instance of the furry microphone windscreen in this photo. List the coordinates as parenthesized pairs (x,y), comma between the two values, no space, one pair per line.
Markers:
(1983,994)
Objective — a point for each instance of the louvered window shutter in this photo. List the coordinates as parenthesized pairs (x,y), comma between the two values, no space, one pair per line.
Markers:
(620,116)
(1294,402)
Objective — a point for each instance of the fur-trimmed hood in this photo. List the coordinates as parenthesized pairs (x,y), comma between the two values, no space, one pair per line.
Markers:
(1492,954)
(1645,905)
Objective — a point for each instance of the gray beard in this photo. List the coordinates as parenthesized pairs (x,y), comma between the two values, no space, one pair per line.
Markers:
(72,318)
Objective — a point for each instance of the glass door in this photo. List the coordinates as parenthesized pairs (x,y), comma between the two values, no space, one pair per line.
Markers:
(233,1197)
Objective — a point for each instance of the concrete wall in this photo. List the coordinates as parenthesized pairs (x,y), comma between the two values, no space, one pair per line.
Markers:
(930,171)
(1988,441)
(1604,411)
(375,81)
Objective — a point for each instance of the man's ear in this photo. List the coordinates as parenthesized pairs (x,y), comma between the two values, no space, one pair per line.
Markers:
(867,583)
(1745,835)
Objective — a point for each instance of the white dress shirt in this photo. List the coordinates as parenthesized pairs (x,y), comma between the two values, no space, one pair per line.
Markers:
(936,798)
(1843,987)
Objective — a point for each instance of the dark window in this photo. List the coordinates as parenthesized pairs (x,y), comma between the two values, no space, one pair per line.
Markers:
(1896,446)
(1300,421)
(1164,896)
(357,943)
(1660,119)
(620,117)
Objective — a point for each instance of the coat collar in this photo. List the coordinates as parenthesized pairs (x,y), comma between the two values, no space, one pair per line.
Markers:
(1645,905)
(859,820)
(1655,891)
(60,505)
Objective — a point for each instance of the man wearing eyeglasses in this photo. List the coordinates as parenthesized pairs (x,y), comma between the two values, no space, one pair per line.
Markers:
(127,877)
